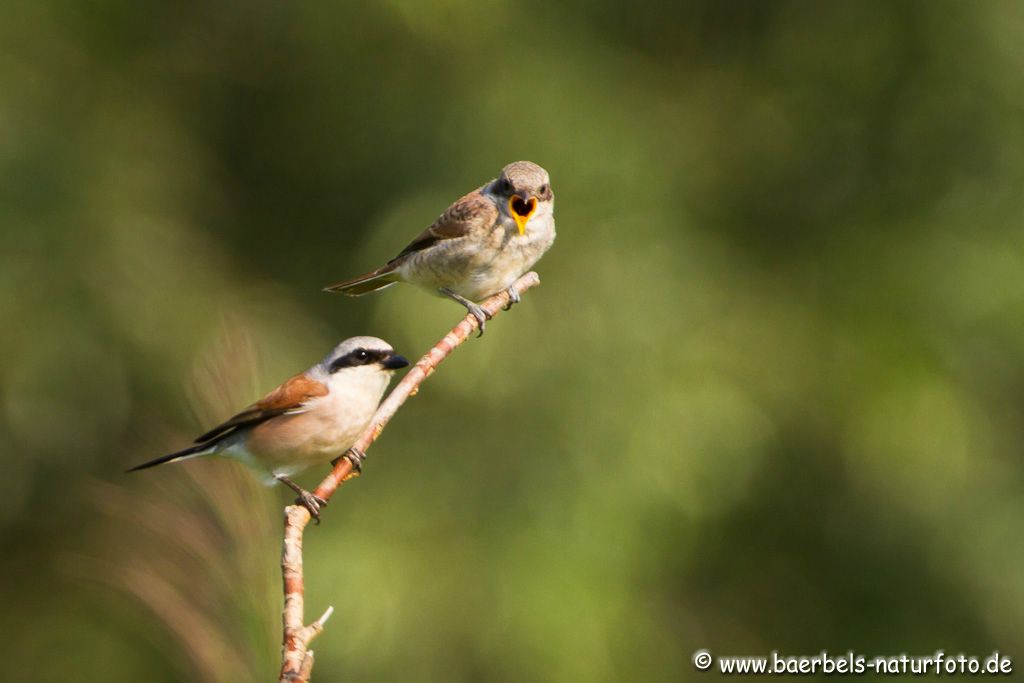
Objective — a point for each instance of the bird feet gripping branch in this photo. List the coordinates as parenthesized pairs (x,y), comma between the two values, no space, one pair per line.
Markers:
(475,310)
(513,298)
(308,500)
(354,456)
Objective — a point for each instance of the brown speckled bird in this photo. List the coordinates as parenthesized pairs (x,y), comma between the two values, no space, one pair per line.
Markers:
(479,246)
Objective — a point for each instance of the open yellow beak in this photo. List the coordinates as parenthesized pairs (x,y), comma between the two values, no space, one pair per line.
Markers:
(521,210)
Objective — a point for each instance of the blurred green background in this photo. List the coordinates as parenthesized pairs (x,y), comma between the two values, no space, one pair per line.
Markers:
(769,395)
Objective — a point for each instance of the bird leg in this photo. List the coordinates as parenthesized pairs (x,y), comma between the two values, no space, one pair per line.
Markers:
(513,298)
(476,311)
(311,502)
(354,456)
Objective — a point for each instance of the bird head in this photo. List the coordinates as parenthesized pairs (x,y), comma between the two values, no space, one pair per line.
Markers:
(524,190)
(362,356)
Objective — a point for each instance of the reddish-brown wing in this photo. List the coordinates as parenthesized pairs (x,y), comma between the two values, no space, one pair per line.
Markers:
(286,398)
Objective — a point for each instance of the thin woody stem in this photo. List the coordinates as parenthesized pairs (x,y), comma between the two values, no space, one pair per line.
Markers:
(424,367)
(297,658)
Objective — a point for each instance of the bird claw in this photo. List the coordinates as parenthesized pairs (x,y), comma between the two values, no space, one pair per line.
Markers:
(474,309)
(356,457)
(311,502)
(513,298)
(481,316)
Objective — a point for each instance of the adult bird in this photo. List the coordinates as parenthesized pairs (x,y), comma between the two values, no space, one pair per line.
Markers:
(311,418)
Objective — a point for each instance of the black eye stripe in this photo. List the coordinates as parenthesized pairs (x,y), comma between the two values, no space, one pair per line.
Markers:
(358,357)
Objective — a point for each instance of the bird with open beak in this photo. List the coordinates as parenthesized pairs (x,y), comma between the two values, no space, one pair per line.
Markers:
(312,418)
(479,246)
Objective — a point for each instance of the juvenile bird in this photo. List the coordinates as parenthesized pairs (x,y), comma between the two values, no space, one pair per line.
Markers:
(310,419)
(479,246)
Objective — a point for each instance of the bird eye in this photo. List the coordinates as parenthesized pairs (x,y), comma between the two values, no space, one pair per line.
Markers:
(505,187)
(545,190)
(352,359)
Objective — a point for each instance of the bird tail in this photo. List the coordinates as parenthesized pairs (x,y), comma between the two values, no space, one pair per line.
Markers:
(364,284)
(190,452)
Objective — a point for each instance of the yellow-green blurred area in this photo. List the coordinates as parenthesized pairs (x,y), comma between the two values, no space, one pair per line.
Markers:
(770,394)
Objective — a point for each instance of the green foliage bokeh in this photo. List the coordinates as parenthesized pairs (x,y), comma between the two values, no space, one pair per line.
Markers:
(769,395)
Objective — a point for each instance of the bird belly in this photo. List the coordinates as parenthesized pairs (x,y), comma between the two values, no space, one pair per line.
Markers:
(495,276)
(292,443)
(479,268)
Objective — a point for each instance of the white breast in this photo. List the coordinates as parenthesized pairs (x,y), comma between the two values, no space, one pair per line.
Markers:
(324,430)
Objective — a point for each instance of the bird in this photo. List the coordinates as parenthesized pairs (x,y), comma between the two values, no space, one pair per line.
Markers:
(479,246)
(309,419)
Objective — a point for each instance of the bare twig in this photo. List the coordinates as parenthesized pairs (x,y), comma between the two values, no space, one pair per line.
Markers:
(297,658)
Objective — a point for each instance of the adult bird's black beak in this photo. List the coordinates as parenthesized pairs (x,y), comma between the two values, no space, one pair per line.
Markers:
(394,362)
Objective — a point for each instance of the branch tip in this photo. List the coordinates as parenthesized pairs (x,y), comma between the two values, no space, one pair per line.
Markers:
(324,617)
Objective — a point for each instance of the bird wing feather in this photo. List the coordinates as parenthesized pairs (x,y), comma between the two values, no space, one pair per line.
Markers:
(458,220)
(289,398)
